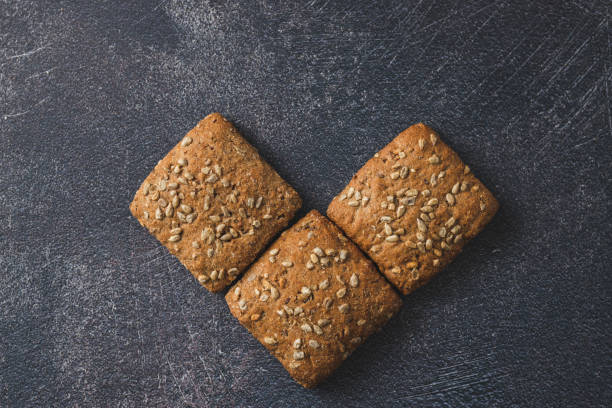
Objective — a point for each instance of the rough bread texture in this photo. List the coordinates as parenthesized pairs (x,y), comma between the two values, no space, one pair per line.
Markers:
(413,207)
(312,299)
(214,202)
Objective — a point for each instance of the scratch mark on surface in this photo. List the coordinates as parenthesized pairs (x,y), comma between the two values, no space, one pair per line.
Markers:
(516,71)
(47,72)
(607,80)
(26,54)
(14,115)
(501,64)
(567,63)
(147,15)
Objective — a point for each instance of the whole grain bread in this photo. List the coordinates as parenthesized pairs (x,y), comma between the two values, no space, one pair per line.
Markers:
(312,299)
(214,202)
(413,207)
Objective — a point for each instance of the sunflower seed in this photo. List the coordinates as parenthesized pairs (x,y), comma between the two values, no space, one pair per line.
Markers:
(456,229)
(313,343)
(354,281)
(306,328)
(434,159)
(158,214)
(186,141)
(424,217)
(421,225)
(428,244)
(344,308)
(298,355)
(318,251)
(218,170)
(388,230)
(323,322)
(433,138)
(353,203)
(270,340)
(341,292)
(324,284)
(450,222)
(421,144)
(297,343)
(392,238)
(420,236)
(356,340)
(350,192)
(450,199)
(433,181)
(343,254)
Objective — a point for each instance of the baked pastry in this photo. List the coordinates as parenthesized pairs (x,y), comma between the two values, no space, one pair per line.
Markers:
(312,299)
(214,202)
(413,207)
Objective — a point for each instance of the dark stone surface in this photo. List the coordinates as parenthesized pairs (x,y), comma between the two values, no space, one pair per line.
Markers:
(94,312)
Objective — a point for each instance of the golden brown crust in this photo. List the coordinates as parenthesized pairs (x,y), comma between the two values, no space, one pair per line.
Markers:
(214,202)
(412,207)
(311,311)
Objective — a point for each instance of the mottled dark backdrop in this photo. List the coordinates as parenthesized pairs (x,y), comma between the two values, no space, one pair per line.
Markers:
(94,312)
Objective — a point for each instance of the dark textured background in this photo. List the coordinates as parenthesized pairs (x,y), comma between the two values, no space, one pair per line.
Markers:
(94,312)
